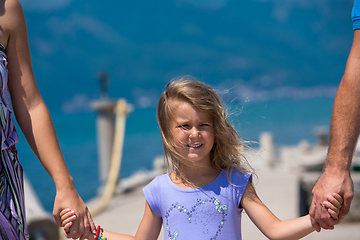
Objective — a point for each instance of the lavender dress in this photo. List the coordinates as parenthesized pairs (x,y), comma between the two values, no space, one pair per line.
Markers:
(12,209)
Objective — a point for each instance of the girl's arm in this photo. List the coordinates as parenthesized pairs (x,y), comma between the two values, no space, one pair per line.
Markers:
(269,224)
(34,120)
(149,228)
(150,225)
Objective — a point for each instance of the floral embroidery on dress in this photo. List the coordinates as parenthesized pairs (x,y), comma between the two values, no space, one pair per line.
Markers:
(202,213)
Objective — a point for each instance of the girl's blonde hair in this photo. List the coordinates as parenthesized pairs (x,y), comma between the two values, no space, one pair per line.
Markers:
(227,152)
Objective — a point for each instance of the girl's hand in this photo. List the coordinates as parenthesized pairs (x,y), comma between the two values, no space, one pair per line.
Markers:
(67,217)
(334,204)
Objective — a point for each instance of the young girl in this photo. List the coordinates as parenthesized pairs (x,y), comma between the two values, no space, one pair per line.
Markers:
(209,179)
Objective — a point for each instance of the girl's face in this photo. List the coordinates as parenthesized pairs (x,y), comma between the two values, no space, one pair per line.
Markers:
(192,132)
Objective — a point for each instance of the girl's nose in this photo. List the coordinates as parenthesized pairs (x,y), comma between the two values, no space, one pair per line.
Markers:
(194,132)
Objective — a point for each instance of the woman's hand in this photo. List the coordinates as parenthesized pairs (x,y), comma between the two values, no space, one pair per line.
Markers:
(83,226)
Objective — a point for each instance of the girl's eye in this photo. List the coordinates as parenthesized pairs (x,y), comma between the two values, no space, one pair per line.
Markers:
(185,126)
(204,125)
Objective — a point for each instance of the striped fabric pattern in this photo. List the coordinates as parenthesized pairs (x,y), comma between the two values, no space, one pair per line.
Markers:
(12,210)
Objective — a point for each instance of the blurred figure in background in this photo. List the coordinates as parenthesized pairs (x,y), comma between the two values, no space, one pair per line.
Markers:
(344,133)
(17,77)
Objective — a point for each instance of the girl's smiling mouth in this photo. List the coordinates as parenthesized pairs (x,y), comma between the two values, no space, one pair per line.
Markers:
(195,145)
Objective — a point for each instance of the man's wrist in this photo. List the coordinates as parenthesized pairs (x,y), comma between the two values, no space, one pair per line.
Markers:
(334,169)
(338,162)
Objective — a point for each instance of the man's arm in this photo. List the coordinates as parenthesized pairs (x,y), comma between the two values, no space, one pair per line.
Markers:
(344,132)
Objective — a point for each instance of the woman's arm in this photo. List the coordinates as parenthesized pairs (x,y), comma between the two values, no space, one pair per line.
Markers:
(34,120)
(268,223)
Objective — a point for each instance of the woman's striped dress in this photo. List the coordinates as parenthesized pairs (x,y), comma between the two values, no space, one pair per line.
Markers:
(12,210)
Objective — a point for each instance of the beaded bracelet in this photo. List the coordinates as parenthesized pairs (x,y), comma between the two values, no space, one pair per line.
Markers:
(99,232)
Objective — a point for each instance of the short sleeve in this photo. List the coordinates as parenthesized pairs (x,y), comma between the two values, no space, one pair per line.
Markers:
(239,180)
(356,14)
(152,195)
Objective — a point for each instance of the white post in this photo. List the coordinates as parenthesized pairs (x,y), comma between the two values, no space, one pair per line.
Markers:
(267,149)
(105,135)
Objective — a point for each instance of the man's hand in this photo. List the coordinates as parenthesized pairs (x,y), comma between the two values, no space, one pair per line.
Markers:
(83,226)
(333,180)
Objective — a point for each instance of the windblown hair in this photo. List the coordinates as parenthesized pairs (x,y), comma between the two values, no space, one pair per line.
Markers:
(227,152)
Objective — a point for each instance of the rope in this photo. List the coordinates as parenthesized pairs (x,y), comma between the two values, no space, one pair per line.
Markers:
(121,111)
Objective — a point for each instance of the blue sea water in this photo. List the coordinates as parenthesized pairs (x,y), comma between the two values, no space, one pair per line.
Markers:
(289,120)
